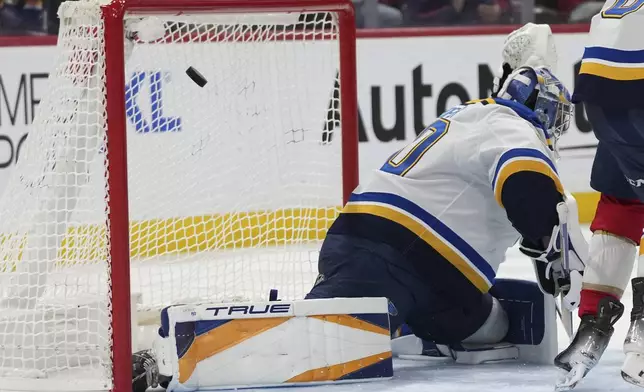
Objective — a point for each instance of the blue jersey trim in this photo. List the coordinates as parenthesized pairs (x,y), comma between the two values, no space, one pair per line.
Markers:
(521,152)
(445,232)
(614,55)
(523,111)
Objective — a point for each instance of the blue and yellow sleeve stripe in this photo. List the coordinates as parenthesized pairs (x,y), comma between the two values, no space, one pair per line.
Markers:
(523,159)
(614,64)
(429,229)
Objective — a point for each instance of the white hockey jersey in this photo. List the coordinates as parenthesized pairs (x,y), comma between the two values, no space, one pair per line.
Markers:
(612,69)
(446,186)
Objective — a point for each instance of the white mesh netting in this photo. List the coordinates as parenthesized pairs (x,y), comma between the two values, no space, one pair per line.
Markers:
(231,185)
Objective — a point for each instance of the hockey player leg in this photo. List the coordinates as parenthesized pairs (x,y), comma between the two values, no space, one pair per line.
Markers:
(351,267)
(589,343)
(521,325)
(484,345)
(487,343)
(223,346)
(633,368)
(531,318)
(611,256)
(617,228)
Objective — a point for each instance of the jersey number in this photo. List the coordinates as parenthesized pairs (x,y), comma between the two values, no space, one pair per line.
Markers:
(621,8)
(402,161)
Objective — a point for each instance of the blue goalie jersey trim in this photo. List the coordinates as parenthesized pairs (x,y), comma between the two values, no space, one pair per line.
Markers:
(429,229)
(519,160)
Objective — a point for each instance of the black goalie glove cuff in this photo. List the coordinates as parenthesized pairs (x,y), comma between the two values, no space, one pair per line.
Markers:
(550,277)
(559,269)
(548,268)
(538,253)
(145,372)
(546,259)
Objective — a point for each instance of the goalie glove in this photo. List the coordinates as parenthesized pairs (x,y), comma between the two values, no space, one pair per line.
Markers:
(145,372)
(560,264)
(530,46)
(552,276)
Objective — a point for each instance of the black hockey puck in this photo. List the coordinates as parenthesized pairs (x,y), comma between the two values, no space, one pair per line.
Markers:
(196,77)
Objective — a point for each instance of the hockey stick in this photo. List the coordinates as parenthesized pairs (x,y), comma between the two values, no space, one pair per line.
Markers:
(565,314)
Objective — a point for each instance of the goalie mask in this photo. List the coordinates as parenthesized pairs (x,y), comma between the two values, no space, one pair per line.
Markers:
(540,91)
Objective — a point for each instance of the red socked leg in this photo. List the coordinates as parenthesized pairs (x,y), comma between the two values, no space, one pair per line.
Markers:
(617,229)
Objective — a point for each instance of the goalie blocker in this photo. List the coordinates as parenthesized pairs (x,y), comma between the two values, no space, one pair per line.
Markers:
(243,345)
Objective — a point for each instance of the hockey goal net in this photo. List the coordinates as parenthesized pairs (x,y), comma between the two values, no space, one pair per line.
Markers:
(140,184)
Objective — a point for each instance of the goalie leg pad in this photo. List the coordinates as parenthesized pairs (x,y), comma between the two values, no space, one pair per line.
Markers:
(532,319)
(352,267)
(531,334)
(222,346)
(495,327)
(410,347)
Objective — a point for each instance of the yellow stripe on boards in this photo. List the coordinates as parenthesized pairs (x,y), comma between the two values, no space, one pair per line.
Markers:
(432,240)
(156,237)
(523,165)
(352,322)
(87,244)
(11,251)
(587,205)
(221,338)
(226,231)
(610,72)
(334,372)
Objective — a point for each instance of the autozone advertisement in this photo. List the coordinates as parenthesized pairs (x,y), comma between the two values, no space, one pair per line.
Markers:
(403,84)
